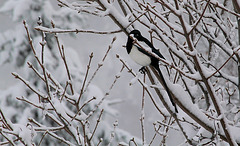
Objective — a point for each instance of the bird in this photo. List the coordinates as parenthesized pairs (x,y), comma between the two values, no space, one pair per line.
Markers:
(144,58)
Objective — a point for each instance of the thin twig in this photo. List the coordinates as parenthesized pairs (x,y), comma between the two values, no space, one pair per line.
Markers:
(100,64)
(64,91)
(113,133)
(62,54)
(44,134)
(57,30)
(43,43)
(142,112)
(155,135)
(28,85)
(85,78)
(134,142)
(200,18)
(224,64)
(100,141)
(61,139)
(117,76)
(95,128)
(80,109)
(4,120)
(32,103)
(6,137)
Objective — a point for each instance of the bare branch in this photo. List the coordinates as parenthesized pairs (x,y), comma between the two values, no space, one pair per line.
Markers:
(95,128)
(58,30)
(85,78)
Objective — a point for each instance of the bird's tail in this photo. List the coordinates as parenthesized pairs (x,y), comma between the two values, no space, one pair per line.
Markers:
(165,86)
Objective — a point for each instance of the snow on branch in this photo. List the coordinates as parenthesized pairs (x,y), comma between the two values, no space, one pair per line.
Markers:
(58,30)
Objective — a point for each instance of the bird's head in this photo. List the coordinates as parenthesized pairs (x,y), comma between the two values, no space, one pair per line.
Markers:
(136,34)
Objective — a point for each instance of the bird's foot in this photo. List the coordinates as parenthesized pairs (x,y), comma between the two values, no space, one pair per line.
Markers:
(142,70)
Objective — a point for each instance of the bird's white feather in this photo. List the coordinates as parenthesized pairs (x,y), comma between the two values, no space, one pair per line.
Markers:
(139,57)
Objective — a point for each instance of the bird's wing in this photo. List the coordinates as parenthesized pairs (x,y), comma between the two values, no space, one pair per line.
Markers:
(157,52)
(143,47)
(151,46)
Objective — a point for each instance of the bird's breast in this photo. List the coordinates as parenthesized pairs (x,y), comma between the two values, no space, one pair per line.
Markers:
(139,57)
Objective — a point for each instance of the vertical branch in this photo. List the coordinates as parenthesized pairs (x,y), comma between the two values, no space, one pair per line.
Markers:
(85,78)
(43,43)
(166,129)
(43,66)
(115,124)
(95,128)
(142,112)
(62,54)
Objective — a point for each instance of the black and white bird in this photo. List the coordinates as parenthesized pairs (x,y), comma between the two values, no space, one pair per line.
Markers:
(139,52)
